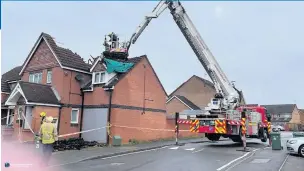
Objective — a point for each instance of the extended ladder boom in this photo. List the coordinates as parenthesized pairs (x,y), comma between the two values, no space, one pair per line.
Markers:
(227,97)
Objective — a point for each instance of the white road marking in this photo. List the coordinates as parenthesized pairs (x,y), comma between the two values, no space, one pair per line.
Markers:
(198,150)
(107,157)
(173,148)
(190,149)
(116,164)
(226,165)
(253,152)
(284,162)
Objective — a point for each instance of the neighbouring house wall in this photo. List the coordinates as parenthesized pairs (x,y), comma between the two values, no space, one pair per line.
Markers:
(197,92)
(97,97)
(65,123)
(174,106)
(295,116)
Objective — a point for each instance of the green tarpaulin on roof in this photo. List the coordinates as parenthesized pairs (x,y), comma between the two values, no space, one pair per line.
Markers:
(115,66)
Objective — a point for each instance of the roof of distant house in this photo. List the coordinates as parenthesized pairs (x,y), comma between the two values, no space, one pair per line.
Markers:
(206,82)
(11,75)
(186,101)
(280,108)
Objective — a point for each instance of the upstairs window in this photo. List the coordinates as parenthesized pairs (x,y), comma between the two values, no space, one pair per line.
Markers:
(49,77)
(35,77)
(99,77)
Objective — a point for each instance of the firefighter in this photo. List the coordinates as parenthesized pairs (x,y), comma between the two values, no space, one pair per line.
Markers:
(42,115)
(48,135)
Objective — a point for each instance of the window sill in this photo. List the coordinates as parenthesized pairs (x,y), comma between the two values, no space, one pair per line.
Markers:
(74,124)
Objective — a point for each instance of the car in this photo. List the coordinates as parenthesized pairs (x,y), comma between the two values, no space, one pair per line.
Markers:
(296,146)
(276,128)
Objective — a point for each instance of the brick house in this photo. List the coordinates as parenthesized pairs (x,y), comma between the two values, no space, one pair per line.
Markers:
(196,90)
(83,96)
(286,115)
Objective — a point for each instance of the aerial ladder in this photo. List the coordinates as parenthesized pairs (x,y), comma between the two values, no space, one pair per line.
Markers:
(224,115)
(227,97)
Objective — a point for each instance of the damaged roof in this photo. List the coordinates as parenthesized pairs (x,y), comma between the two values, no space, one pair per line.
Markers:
(280,108)
(120,76)
(66,57)
(11,75)
(33,93)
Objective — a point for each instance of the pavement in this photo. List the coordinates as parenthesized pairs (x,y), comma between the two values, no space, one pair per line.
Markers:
(191,155)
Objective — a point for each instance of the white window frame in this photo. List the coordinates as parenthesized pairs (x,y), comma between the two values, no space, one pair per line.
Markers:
(100,81)
(33,75)
(74,122)
(49,76)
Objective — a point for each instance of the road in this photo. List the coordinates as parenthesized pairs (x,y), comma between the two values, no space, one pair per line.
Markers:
(217,156)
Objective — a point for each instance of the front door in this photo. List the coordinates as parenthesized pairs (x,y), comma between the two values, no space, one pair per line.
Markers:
(28,118)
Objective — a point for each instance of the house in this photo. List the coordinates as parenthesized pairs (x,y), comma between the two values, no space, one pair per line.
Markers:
(287,115)
(195,90)
(83,96)
(8,82)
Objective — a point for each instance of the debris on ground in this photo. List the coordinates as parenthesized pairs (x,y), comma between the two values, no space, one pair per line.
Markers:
(75,144)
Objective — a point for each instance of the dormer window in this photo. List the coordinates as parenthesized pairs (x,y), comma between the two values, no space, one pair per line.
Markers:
(99,77)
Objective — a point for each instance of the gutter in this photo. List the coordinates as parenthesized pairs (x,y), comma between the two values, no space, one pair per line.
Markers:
(81,115)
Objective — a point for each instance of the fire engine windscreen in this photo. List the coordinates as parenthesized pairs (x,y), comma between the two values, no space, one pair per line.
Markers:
(116,66)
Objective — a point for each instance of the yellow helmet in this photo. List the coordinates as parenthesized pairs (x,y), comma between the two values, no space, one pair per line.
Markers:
(42,114)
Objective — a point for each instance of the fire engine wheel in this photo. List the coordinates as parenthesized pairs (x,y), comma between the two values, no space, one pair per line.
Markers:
(236,139)
(264,139)
(213,137)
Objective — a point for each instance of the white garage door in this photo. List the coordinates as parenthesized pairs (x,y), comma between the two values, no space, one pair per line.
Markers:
(92,119)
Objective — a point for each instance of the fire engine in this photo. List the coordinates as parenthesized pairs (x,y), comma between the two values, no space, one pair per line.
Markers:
(222,116)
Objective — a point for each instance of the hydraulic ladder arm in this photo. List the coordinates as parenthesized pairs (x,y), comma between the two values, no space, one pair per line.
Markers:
(227,96)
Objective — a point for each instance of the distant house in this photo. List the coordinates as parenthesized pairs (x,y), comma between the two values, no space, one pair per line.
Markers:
(83,96)
(197,90)
(194,94)
(283,114)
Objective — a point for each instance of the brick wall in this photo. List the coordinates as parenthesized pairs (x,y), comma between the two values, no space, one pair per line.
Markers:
(174,106)
(295,116)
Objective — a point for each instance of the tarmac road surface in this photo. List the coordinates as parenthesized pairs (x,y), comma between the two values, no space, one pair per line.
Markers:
(190,157)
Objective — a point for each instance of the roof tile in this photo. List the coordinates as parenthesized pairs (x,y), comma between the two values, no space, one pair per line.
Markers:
(11,75)
(33,93)
(188,102)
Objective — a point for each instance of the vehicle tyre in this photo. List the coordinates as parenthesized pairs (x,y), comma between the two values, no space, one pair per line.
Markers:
(301,150)
(279,129)
(264,139)
(213,137)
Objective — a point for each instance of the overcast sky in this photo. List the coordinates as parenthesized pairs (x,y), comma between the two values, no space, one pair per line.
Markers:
(260,45)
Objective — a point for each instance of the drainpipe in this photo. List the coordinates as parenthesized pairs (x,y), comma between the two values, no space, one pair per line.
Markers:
(81,115)
(110,90)
(59,118)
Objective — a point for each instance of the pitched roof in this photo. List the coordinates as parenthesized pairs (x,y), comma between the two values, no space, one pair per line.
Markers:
(33,93)
(65,57)
(120,76)
(11,75)
(280,119)
(280,108)
(206,82)
(187,102)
